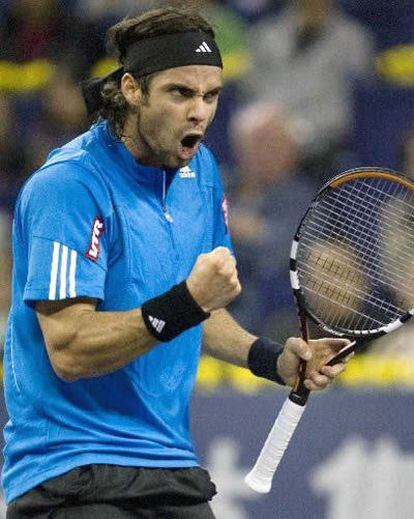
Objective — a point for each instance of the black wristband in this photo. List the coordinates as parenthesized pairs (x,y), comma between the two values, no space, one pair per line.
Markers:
(262,359)
(169,314)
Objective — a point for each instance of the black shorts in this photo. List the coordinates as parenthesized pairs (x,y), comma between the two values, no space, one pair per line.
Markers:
(112,492)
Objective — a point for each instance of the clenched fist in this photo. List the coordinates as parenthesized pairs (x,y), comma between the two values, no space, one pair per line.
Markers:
(214,282)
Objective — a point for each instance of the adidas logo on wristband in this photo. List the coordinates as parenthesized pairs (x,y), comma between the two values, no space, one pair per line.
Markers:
(158,324)
(177,311)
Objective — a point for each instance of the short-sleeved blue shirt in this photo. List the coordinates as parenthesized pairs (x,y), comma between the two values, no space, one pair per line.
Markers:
(93,222)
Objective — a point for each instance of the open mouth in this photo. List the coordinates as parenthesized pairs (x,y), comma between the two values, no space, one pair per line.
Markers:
(191,141)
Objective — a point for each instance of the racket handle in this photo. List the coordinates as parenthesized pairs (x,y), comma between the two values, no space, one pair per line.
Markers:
(261,475)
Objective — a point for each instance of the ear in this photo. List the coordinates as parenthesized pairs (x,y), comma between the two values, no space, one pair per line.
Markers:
(131,90)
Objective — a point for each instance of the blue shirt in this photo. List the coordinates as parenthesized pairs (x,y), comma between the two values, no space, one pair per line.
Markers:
(93,222)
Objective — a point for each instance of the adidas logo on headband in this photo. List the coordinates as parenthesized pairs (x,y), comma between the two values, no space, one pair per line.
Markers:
(204,48)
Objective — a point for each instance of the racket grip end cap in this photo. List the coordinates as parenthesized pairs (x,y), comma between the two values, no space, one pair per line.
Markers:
(258,485)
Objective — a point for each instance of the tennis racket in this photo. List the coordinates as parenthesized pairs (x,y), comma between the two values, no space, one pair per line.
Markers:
(352,273)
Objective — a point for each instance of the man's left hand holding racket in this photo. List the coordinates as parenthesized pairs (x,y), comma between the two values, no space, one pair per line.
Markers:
(316,353)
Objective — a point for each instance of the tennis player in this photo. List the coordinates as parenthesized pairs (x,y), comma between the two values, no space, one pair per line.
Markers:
(122,265)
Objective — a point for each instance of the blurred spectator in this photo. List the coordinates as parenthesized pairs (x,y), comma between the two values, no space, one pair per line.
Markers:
(61,117)
(265,210)
(36,33)
(306,59)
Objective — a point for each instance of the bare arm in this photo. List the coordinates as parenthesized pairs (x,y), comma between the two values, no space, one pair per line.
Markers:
(82,342)
(225,339)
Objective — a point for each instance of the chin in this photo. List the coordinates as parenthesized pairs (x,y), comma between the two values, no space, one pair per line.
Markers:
(176,164)
(182,163)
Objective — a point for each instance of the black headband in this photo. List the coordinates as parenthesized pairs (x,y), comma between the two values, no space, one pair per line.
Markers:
(155,54)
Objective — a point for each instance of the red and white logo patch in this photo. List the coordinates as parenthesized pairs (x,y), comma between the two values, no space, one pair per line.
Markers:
(225,210)
(94,247)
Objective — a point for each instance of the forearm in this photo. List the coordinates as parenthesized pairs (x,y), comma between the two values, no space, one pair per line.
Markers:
(97,343)
(225,339)
(109,340)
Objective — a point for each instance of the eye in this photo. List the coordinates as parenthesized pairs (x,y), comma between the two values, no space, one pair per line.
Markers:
(210,97)
(181,92)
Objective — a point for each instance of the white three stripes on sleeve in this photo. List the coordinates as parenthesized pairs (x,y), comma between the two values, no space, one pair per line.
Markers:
(62,276)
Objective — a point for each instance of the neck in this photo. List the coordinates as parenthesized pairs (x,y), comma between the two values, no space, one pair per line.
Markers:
(137,145)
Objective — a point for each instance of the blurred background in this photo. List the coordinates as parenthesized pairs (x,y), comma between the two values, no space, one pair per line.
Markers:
(312,88)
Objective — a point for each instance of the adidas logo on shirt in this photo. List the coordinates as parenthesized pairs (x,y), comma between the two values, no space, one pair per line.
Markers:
(158,324)
(187,172)
(204,48)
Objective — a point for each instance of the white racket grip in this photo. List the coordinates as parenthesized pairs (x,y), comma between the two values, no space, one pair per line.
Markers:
(261,475)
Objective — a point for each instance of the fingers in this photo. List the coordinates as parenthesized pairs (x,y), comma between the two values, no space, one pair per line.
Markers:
(335,344)
(332,371)
(224,261)
(319,375)
(318,380)
(299,348)
(213,281)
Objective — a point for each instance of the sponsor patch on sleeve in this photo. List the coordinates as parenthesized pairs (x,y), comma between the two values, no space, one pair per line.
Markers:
(94,247)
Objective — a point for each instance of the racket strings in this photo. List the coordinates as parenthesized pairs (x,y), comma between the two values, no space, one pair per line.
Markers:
(361,221)
(346,292)
(355,255)
(365,257)
(365,246)
(385,216)
(335,318)
(375,193)
(372,196)
(405,250)
(333,300)
(322,271)
(323,283)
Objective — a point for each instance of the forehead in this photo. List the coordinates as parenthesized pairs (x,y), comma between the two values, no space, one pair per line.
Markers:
(197,77)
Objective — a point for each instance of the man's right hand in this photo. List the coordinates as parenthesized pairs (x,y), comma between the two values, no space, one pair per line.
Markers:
(214,282)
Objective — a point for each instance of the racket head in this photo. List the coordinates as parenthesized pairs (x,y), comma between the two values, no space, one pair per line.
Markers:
(352,258)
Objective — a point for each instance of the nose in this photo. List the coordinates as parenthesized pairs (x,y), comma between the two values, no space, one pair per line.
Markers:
(198,110)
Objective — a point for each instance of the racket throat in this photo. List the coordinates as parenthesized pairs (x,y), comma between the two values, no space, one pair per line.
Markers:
(299,396)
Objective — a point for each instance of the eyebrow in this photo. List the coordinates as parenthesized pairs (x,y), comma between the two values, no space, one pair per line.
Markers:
(172,86)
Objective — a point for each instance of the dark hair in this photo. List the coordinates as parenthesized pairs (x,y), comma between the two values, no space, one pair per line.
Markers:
(153,23)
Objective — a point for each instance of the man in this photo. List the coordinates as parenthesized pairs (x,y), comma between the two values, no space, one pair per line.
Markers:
(121,252)
(306,58)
